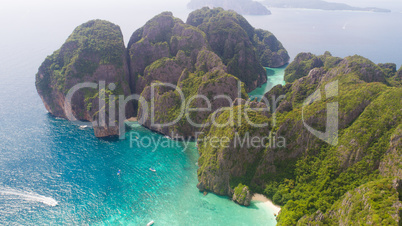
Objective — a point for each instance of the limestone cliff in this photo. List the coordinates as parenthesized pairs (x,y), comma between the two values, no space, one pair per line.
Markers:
(218,52)
(209,79)
(162,37)
(94,52)
(304,62)
(292,127)
(391,164)
(233,160)
(369,115)
(389,69)
(242,195)
(374,203)
(309,174)
(215,53)
(396,80)
(243,49)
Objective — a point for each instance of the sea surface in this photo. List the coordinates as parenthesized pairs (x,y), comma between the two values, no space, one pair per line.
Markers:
(275,76)
(53,172)
(344,33)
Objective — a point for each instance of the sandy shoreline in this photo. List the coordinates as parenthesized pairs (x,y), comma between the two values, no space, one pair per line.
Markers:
(266,201)
(133,119)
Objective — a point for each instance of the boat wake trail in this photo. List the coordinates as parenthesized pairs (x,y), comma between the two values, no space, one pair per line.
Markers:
(28,196)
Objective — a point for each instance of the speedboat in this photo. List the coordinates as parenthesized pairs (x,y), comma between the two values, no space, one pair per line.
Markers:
(152,169)
(150,223)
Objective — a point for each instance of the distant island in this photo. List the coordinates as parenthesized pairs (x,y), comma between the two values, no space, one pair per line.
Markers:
(319,4)
(244,7)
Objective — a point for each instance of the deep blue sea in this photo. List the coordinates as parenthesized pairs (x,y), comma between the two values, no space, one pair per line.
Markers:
(46,160)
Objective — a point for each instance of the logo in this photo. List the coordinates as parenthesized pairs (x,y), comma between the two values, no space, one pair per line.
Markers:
(331,134)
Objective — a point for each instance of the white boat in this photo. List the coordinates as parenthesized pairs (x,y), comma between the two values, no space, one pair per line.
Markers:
(152,169)
(150,223)
(83,127)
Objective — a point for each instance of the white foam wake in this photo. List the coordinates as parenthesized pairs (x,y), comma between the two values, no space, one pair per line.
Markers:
(28,196)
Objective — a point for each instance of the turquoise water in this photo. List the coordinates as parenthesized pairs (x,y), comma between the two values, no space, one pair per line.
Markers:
(50,157)
(275,76)
(44,160)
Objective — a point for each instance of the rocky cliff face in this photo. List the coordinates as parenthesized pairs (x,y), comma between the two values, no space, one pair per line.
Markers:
(368,116)
(209,79)
(399,74)
(207,56)
(242,195)
(367,137)
(304,62)
(243,49)
(376,202)
(292,125)
(94,52)
(397,79)
(223,165)
(391,164)
(164,50)
(162,37)
(389,69)
(244,7)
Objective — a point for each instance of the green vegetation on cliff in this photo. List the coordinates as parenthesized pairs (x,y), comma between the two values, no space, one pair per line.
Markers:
(91,44)
(207,56)
(94,52)
(389,69)
(270,51)
(224,165)
(304,62)
(396,80)
(243,49)
(325,178)
(368,116)
(208,79)
(311,178)
(373,202)
(242,195)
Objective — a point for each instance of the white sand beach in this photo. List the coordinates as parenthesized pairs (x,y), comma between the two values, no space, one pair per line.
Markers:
(267,202)
(132,119)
